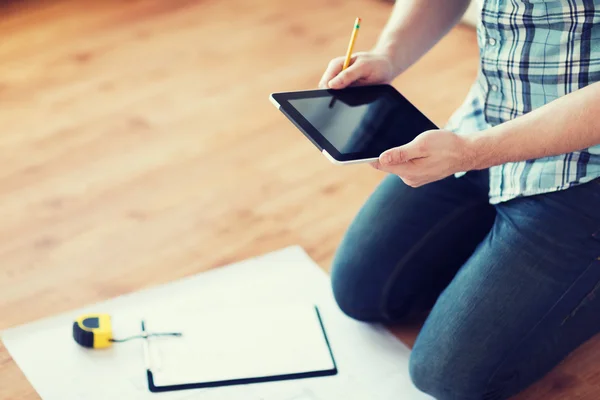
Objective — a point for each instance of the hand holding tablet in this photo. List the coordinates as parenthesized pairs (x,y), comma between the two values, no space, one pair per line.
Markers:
(354,124)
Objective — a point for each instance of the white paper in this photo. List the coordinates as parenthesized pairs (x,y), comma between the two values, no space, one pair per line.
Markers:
(372,363)
(242,342)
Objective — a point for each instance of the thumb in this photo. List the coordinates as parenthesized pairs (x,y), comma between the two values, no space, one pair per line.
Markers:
(400,155)
(346,77)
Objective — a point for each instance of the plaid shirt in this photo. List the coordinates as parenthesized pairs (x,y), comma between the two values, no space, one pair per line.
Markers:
(532,52)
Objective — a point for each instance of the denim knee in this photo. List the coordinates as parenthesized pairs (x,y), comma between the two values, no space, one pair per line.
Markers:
(349,297)
(428,377)
(434,374)
(356,296)
(361,294)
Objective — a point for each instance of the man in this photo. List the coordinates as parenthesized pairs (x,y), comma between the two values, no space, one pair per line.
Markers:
(491,225)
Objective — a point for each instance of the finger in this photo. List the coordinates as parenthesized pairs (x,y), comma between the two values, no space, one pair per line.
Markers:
(375,164)
(411,183)
(334,68)
(361,81)
(402,154)
(348,76)
(402,170)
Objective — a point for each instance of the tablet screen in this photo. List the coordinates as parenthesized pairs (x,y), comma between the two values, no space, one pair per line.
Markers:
(361,122)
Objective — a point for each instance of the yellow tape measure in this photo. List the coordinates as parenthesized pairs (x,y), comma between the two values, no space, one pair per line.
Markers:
(94,331)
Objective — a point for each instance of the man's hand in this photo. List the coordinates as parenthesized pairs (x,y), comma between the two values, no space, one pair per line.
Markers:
(431,156)
(366,68)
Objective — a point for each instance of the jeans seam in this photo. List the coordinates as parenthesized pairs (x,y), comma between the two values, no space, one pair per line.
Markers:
(536,325)
(404,260)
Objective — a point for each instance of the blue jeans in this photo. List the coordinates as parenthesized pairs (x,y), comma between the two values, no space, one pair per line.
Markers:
(508,290)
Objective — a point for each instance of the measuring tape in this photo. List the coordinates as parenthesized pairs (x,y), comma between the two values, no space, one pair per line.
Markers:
(94,331)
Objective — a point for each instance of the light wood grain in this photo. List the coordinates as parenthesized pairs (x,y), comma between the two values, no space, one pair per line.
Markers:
(138,146)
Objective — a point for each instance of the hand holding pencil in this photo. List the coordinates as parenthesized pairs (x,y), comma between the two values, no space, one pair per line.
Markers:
(362,68)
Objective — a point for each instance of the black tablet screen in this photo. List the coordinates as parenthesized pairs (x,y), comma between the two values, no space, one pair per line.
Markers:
(363,122)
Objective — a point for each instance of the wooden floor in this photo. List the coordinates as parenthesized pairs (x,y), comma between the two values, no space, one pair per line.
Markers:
(138,146)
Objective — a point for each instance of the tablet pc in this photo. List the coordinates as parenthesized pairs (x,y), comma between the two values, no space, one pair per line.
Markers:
(354,124)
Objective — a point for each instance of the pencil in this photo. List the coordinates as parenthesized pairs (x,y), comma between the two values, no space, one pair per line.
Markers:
(351,44)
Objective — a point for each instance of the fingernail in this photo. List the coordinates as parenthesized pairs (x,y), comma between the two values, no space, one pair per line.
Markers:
(386,158)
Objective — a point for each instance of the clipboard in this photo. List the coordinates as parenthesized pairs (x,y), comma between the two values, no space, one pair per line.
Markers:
(294,344)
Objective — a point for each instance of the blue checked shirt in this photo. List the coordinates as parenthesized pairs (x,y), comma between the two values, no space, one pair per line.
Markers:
(532,52)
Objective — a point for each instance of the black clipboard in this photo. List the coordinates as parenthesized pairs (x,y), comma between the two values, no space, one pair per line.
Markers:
(244,381)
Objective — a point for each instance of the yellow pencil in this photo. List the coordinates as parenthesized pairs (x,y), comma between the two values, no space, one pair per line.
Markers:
(351,44)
